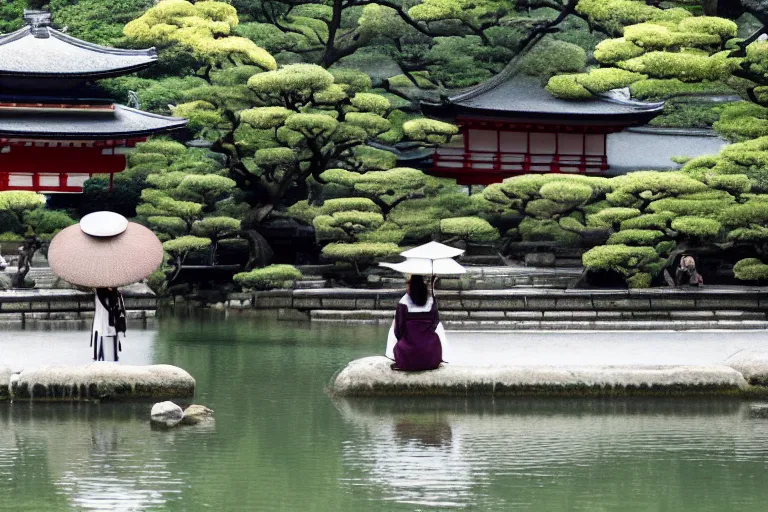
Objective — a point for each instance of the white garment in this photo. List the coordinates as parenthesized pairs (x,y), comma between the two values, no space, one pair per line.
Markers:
(102,334)
(440,330)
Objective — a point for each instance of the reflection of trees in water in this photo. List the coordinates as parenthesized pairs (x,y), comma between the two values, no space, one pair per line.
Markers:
(541,454)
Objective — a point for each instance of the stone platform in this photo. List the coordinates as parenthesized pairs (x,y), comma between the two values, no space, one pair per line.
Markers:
(96,381)
(742,375)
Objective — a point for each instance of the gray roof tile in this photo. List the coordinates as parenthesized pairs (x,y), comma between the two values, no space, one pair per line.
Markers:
(61,55)
(122,122)
(522,94)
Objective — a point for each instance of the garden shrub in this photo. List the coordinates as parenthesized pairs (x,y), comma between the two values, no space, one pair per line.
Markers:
(272,276)
(697,226)
(635,237)
(634,263)
(750,269)
(470,229)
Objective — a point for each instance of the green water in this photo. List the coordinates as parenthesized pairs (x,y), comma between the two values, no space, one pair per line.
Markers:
(280,443)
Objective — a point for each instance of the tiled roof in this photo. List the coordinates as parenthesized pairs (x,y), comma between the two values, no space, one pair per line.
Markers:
(41,51)
(121,122)
(525,95)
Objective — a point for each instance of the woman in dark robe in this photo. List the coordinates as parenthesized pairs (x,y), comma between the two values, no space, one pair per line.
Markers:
(416,339)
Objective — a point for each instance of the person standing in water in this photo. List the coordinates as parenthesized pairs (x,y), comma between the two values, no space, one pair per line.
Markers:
(109,321)
(416,339)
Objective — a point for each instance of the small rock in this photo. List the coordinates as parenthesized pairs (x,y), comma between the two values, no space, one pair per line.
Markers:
(758,411)
(167,414)
(374,279)
(195,414)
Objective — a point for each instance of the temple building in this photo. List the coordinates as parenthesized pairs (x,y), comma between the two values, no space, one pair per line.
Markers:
(510,125)
(56,129)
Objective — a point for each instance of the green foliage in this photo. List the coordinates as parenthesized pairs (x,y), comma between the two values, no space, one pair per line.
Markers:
(659,89)
(567,87)
(697,226)
(615,14)
(635,237)
(565,192)
(361,252)
(94,20)
(611,216)
(183,245)
(470,229)
(743,120)
(750,269)
(203,28)
(553,57)
(535,230)
(687,114)
(687,67)
(648,221)
(637,264)
(429,130)
(611,51)
(272,276)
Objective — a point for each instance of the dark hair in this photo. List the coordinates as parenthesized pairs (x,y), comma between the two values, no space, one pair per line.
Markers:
(418,290)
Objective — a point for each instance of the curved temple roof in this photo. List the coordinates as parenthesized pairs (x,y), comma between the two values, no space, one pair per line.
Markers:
(525,95)
(121,122)
(37,50)
(513,94)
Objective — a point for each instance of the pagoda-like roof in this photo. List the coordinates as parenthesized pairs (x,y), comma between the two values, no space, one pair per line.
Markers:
(82,122)
(37,50)
(513,95)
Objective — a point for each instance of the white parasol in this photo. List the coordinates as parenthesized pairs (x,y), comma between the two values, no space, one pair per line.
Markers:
(432,259)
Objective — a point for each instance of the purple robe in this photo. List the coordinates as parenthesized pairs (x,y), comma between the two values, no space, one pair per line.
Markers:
(418,346)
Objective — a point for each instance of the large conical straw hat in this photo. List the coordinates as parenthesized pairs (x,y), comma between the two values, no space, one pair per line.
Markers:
(104,251)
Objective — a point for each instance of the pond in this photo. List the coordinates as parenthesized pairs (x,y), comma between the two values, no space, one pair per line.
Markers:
(280,442)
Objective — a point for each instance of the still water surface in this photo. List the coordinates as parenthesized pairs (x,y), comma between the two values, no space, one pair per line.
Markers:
(280,443)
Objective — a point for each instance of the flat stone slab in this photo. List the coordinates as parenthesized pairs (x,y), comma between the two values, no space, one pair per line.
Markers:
(372,376)
(100,381)
(753,365)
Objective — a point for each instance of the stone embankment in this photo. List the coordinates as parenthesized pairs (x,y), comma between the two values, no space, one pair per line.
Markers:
(743,375)
(710,307)
(96,381)
(25,308)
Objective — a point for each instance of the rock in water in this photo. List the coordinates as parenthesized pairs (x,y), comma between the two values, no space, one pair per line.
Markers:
(195,414)
(167,414)
(758,411)
(753,365)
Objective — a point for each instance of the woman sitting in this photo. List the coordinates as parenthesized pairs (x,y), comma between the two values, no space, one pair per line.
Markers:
(416,339)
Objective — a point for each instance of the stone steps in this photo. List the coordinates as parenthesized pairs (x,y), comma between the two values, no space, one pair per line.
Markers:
(568,320)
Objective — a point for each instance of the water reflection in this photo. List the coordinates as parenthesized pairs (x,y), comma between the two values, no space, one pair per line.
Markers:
(88,456)
(544,454)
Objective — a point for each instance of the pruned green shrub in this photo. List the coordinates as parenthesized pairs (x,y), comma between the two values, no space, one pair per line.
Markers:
(697,226)
(360,252)
(648,221)
(628,261)
(610,216)
(750,269)
(471,229)
(635,237)
(272,276)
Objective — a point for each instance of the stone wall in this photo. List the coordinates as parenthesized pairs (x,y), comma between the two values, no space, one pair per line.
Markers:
(531,308)
(22,307)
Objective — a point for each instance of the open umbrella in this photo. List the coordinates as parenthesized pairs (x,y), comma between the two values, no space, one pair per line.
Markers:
(431,259)
(104,250)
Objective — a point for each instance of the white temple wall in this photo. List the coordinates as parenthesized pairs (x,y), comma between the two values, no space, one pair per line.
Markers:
(640,149)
